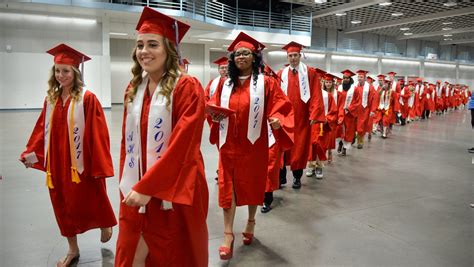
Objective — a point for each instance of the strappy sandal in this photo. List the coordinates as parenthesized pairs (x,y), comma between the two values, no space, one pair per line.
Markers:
(226,253)
(247,238)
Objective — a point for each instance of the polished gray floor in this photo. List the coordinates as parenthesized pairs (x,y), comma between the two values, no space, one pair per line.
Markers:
(403,201)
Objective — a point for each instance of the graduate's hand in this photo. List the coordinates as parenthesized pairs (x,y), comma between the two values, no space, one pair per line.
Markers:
(346,110)
(217,117)
(311,122)
(135,199)
(275,123)
(26,163)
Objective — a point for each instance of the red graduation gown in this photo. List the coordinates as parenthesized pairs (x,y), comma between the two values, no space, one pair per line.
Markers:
(176,237)
(243,166)
(320,139)
(351,116)
(85,205)
(405,109)
(297,157)
(364,113)
(339,132)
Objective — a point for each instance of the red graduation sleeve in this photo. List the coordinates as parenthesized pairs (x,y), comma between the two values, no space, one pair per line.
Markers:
(280,107)
(173,177)
(317,104)
(36,141)
(97,158)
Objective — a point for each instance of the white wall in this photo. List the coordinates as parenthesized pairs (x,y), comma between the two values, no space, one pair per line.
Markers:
(25,68)
(443,72)
(24,79)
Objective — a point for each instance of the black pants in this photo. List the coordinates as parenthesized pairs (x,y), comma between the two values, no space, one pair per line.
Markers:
(472,118)
(268,199)
(426,114)
(296,174)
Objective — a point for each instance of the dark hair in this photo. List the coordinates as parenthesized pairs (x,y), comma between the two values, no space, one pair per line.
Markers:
(233,71)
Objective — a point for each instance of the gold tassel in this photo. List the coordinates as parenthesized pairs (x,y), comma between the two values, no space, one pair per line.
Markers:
(49,181)
(75,175)
(321,131)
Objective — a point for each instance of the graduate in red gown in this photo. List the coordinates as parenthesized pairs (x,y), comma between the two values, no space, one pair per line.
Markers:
(405,96)
(70,142)
(351,109)
(162,186)
(222,65)
(321,133)
(243,141)
(366,109)
(275,160)
(386,107)
(302,85)
(439,103)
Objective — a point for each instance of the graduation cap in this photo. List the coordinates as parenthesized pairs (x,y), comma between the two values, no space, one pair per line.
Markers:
(269,72)
(370,79)
(152,21)
(245,40)
(347,73)
(222,61)
(381,76)
(292,47)
(438,81)
(392,73)
(410,82)
(419,79)
(363,72)
(67,55)
(329,77)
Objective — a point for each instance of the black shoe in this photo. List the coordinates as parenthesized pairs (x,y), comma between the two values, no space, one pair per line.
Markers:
(471,150)
(339,147)
(296,183)
(343,151)
(266,208)
(360,146)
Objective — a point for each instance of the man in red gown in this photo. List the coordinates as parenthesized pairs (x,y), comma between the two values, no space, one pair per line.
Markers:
(302,85)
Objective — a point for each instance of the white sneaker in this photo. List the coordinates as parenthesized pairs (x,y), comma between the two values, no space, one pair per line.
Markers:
(310,172)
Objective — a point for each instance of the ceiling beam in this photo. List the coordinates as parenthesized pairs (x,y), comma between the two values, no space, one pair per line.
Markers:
(398,22)
(355,4)
(460,41)
(437,33)
(346,7)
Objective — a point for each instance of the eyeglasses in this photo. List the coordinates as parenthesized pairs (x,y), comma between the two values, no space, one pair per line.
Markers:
(244,54)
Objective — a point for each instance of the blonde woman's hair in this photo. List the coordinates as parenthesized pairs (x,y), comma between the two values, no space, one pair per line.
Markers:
(55,90)
(169,78)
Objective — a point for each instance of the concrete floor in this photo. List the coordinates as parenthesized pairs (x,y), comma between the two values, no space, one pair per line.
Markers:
(403,201)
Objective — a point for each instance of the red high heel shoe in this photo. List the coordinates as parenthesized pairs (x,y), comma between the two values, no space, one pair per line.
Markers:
(226,253)
(247,238)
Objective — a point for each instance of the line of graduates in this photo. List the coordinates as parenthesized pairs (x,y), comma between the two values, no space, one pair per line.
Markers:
(260,121)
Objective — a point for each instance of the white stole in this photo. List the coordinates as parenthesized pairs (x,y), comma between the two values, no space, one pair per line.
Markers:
(271,137)
(256,110)
(303,81)
(394,85)
(422,89)
(365,94)
(78,130)
(402,93)
(213,87)
(349,96)
(384,103)
(325,101)
(158,134)
(438,90)
(334,94)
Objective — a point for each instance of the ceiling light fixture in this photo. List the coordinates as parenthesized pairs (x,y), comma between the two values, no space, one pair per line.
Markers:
(447,23)
(450,3)
(356,21)
(397,14)
(340,14)
(408,33)
(386,3)
(320,1)
(448,39)
(447,35)
(118,33)
(206,40)
(447,29)
(404,29)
